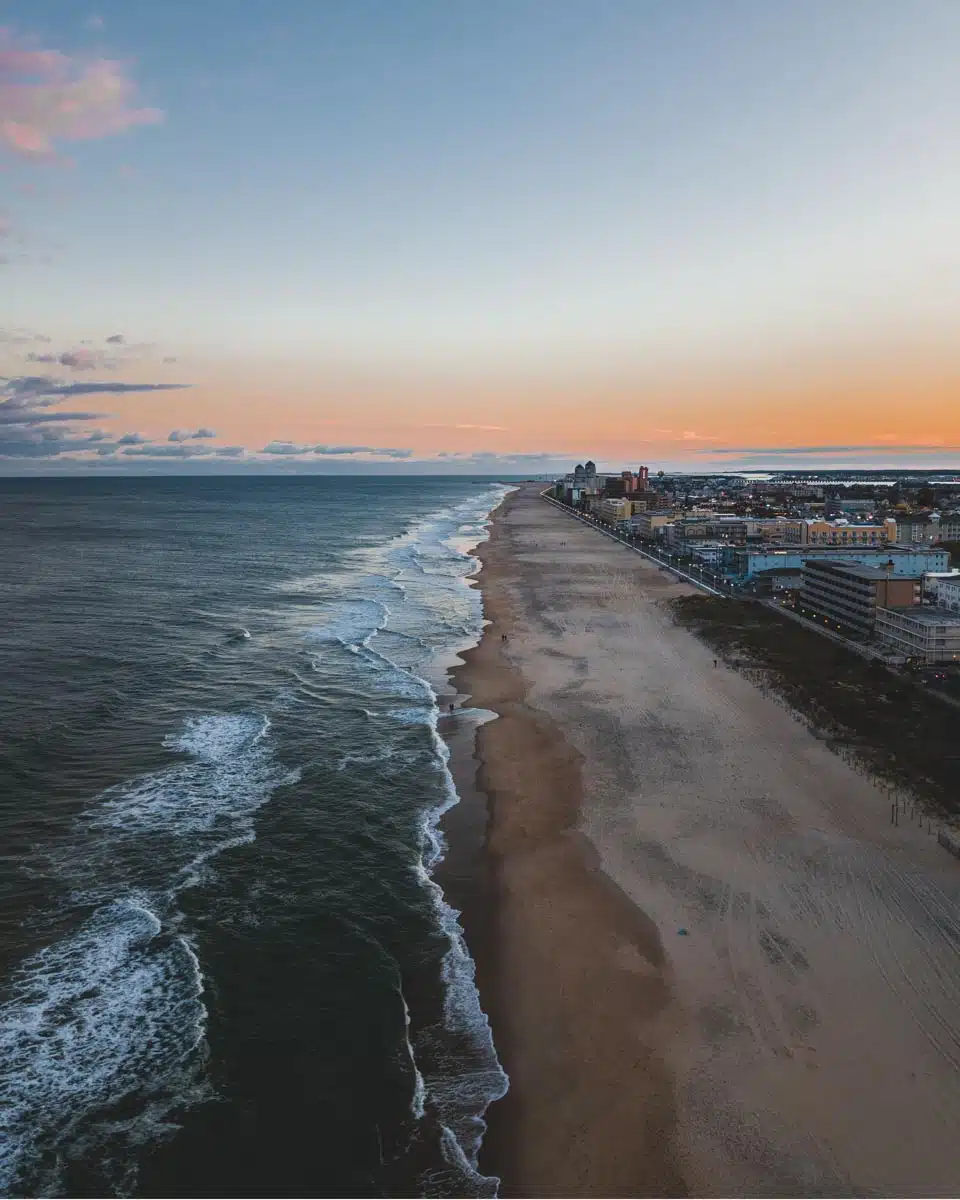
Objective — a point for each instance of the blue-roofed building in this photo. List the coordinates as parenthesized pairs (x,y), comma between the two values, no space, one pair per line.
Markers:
(744,563)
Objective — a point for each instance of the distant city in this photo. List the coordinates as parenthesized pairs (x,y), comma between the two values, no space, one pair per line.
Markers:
(872,558)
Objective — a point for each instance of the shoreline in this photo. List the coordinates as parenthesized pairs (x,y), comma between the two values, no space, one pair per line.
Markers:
(544,894)
(796,1038)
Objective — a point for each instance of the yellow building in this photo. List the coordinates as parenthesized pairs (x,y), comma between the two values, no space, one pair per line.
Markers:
(842,533)
(615,509)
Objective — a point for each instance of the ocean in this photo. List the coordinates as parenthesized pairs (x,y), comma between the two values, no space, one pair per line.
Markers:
(226,967)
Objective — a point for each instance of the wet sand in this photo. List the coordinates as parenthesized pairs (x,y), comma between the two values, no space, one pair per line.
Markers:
(802,1036)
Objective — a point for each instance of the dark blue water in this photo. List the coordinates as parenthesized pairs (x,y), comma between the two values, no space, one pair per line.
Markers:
(225,967)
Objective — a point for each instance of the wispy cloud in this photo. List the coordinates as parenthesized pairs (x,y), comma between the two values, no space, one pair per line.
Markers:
(165,450)
(184,435)
(76,360)
(22,337)
(19,416)
(31,426)
(41,385)
(47,97)
(27,443)
(379,451)
(485,428)
(865,448)
(287,449)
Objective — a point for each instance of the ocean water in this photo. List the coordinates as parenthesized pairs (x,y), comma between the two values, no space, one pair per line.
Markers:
(225,965)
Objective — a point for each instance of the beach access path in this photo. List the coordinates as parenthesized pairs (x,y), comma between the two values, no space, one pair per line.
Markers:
(718,969)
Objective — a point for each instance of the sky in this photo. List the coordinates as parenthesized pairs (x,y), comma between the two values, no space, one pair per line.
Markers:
(498,237)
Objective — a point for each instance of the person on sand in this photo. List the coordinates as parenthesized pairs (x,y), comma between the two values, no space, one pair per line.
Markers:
(503,637)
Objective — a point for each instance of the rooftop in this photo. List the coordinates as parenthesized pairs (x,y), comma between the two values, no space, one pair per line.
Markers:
(858,571)
(926,615)
(843,523)
(841,552)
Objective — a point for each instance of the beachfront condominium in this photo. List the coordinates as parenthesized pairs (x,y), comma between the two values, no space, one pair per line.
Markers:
(850,595)
(928,634)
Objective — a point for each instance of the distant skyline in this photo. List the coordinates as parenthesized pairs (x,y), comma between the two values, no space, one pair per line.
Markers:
(489,238)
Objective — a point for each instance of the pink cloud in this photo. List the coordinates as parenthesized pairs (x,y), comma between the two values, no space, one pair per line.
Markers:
(47,97)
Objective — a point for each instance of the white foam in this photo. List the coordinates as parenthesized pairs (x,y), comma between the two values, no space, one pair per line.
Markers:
(232,773)
(419,1097)
(113,1010)
(352,619)
(385,754)
(460,1099)
(110,1012)
(220,736)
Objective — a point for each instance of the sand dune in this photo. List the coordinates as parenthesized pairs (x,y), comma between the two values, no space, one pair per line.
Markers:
(803,1036)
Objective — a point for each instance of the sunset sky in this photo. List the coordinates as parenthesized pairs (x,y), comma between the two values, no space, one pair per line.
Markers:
(491,237)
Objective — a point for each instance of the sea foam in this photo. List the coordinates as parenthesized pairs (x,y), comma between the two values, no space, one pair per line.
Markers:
(110,1019)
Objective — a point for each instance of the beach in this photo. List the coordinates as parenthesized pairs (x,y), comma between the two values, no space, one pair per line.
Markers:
(711,964)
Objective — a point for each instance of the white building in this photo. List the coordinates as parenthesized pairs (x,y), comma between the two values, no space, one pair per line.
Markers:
(948,592)
(709,554)
(927,634)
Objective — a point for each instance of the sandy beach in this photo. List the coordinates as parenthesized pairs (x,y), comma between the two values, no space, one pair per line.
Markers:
(714,967)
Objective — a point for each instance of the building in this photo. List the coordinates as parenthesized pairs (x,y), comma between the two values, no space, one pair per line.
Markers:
(919,530)
(923,633)
(650,526)
(932,581)
(779,530)
(614,509)
(950,527)
(708,554)
(948,592)
(747,562)
(843,533)
(850,595)
(928,528)
(709,528)
(781,583)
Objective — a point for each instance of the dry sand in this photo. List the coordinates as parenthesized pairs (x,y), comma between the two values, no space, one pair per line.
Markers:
(803,1036)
